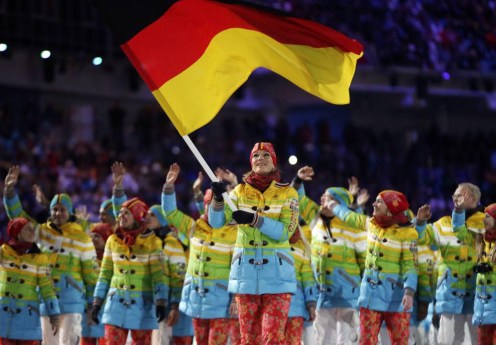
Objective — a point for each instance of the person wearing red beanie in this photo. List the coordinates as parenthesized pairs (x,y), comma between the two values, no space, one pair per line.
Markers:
(23,279)
(456,236)
(390,278)
(131,284)
(262,275)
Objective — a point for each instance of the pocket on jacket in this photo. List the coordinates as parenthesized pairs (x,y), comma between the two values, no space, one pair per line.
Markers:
(285,266)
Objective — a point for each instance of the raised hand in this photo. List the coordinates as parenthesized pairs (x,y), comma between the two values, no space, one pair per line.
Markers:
(198,183)
(172,174)
(118,172)
(362,197)
(12,176)
(40,196)
(424,213)
(82,212)
(227,176)
(353,186)
(306,173)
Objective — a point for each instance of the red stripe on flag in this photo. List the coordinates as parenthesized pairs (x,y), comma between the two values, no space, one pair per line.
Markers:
(176,40)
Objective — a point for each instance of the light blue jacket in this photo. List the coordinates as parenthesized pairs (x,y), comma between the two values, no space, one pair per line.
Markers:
(262,262)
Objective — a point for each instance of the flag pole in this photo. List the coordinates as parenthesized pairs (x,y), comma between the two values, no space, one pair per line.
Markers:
(207,169)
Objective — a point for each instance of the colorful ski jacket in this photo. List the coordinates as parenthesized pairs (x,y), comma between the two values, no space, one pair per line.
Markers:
(23,280)
(456,243)
(390,262)
(204,293)
(262,262)
(72,260)
(338,257)
(485,292)
(131,280)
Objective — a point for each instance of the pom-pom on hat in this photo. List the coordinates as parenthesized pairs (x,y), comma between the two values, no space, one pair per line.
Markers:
(137,208)
(15,226)
(159,213)
(341,195)
(64,200)
(266,147)
(395,201)
(104,230)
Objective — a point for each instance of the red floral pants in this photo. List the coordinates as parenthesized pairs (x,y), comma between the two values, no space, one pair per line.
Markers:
(234,332)
(262,318)
(92,341)
(487,335)
(398,325)
(294,330)
(117,336)
(211,331)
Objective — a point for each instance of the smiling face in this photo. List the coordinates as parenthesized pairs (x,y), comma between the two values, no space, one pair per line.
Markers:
(27,233)
(261,162)
(126,220)
(59,214)
(380,207)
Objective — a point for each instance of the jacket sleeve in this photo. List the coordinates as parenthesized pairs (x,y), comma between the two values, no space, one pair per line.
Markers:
(157,265)
(106,271)
(89,268)
(409,259)
(46,286)
(308,282)
(218,213)
(176,267)
(182,222)
(353,219)
(13,207)
(118,198)
(283,228)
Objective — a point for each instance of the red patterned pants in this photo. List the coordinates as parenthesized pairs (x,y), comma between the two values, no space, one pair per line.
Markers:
(487,335)
(234,332)
(398,325)
(5,341)
(117,336)
(262,318)
(211,331)
(294,330)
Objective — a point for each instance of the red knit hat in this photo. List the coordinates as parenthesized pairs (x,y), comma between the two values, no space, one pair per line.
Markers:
(137,208)
(104,230)
(266,147)
(15,226)
(491,210)
(395,201)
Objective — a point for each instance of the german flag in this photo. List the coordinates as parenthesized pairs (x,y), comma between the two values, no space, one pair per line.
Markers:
(194,54)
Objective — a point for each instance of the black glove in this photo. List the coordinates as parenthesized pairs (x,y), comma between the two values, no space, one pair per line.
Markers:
(218,188)
(160,312)
(244,217)
(94,313)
